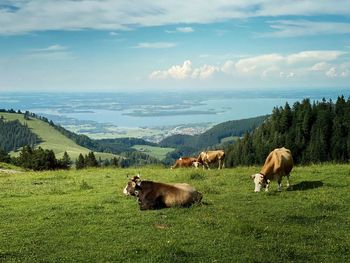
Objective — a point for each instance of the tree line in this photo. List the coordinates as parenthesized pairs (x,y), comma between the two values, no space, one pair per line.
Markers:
(314,132)
(40,159)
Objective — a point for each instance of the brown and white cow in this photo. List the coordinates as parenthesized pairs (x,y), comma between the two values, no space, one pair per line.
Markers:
(278,163)
(185,162)
(153,195)
(210,157)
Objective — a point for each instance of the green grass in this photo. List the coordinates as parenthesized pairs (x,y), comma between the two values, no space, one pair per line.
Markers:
(69,216)
(52,139)
(157,152)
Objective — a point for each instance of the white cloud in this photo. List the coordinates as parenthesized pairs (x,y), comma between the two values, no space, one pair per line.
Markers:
(25,16)
(320,66)
(155,45)
(204,72)
(266,66)
(253,64)
(185,71)
(287,75)
(113,33)
(315,55)
(228,67)
(176,72)
(186,29)
(52,48)
(297,28)
(335,72)
(53,52)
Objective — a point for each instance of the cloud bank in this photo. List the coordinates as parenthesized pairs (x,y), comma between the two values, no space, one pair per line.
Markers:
(25,16)
(295,65)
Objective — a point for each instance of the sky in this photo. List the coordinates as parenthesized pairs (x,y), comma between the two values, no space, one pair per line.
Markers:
(91,45)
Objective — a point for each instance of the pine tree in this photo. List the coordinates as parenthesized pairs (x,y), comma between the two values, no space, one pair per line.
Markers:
(80,162)
(65,162)
(90,160)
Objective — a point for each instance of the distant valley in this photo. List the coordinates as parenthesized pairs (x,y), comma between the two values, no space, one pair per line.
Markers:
(153,116)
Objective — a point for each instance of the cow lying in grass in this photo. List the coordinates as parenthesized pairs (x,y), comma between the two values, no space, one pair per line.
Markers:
(153,195)
(278,163)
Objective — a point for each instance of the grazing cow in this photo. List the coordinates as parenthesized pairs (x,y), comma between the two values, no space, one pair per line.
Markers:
(152,195)
(278,163)
(209,157)
(185,162)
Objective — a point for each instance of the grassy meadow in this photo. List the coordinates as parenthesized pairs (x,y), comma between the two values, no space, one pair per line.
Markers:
(68,216)
(52,139)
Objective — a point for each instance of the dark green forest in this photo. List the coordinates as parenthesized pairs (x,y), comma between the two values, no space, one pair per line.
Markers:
(40,159)
(314,132)
(14,135)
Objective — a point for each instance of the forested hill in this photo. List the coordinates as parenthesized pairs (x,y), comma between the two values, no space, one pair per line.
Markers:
(314,132)
(13,135)
(215,135)
(19,129)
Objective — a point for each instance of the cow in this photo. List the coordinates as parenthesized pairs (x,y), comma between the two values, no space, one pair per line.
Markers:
(154,195)
(185,162)
(278,163)
(209,157)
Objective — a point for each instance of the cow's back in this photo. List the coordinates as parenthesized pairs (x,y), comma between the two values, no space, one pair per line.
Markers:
(167,195)
(286,160)
(278,161)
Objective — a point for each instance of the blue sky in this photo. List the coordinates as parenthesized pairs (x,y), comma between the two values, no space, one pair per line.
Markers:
(71,45)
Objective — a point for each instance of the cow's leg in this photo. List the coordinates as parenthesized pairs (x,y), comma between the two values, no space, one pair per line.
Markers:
(279,181)
(219,164)
(208,166)
(267,186)
(287,176)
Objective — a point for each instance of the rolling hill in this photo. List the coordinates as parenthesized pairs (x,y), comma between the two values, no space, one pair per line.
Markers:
(52,139)
(222,132)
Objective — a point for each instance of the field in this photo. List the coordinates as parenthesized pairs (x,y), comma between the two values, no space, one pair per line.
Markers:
(53,139)
(156,152)
(68,216)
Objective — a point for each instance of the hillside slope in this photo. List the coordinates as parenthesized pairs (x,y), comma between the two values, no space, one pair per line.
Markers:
(52,139)
(214,135)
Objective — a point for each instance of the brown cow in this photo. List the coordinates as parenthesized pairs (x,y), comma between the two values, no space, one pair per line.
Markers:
(185,162)
(153,195)
(209,157)
(278,163)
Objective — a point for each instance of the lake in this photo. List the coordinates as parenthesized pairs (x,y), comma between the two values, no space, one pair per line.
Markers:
(154,109)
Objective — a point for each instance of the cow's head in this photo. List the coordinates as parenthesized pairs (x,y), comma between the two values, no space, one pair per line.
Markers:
(133,186)
(260,182)
(196,164)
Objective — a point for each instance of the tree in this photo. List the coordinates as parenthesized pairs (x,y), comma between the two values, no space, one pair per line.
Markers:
(115,162)
(4,156)
(90,160)
(80,162)
(65,162)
